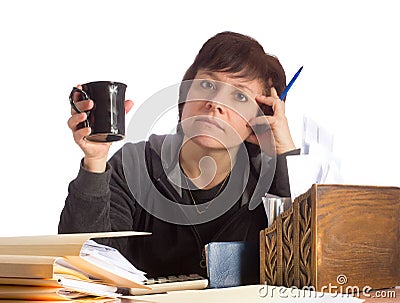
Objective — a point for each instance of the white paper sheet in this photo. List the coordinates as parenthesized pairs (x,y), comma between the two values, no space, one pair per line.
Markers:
(316,163)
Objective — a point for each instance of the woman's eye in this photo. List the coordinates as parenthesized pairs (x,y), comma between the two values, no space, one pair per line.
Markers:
(240,97)
(207,84)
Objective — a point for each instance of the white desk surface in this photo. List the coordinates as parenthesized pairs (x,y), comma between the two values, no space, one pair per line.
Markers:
(241,294)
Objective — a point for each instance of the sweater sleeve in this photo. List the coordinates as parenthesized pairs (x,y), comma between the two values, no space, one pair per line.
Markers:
(280,185)
(98,201)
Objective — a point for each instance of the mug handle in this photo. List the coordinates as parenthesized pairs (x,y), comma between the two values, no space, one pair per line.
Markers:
(73,104)
(71,99)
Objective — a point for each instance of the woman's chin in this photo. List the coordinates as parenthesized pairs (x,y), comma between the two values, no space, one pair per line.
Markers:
(208,142)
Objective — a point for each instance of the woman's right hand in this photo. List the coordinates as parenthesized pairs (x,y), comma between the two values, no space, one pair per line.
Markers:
(96,153)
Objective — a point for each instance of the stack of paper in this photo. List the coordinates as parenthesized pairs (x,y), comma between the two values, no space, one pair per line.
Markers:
(65,267)
(317,162)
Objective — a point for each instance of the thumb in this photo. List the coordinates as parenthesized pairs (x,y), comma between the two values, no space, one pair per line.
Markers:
(128,105)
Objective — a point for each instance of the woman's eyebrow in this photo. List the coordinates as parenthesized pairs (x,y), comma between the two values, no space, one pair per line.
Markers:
(244,87)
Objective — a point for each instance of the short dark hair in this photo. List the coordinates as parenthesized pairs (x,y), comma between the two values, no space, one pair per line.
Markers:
(238,54)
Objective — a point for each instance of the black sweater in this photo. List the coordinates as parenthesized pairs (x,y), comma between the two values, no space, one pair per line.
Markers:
(136,193)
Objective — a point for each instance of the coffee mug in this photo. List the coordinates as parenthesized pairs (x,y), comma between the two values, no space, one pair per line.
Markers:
(107,117)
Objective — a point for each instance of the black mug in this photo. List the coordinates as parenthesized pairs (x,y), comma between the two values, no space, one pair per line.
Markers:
(107,117)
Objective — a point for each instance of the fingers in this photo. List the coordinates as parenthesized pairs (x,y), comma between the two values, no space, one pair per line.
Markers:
(75,119)
(270,100)
(274,94)
(86,105)
(277,104)
(261,124)
(277,123)
(83,106)
(128,106)
(80,134)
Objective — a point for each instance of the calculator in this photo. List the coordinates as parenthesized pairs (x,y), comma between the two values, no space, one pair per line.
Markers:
(171,283)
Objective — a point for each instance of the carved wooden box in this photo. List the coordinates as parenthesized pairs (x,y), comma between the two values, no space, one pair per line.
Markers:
(335,238)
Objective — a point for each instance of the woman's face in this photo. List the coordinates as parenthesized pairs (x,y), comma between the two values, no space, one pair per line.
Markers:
(218,109)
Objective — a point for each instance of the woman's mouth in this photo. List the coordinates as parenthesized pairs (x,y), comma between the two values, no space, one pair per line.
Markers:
(210,121)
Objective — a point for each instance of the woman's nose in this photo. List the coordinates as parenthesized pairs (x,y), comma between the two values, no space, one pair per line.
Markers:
(215,106)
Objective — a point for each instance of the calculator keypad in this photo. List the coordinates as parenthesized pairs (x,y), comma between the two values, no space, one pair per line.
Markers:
(169,279)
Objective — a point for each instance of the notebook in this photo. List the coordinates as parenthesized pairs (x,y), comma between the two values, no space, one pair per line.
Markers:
(232,263)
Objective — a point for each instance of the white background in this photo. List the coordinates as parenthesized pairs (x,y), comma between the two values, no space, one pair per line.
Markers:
(350,51)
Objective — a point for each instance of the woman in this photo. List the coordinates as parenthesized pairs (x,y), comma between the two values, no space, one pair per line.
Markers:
(202,184)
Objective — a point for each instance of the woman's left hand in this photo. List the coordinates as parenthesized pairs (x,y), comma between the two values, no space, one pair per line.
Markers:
(278,126)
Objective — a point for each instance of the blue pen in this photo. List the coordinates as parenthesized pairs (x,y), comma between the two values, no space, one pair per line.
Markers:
(259,129)
(283,95)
